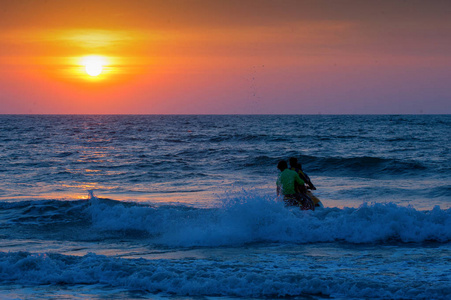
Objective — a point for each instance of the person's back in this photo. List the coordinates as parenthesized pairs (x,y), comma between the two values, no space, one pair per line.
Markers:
(286,184)
(287,181)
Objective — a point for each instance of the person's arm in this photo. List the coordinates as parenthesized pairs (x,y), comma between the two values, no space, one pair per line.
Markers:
(299,180)
(309,182)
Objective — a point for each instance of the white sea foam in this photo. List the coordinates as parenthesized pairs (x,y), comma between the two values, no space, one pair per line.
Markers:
(249,219)
(270,275)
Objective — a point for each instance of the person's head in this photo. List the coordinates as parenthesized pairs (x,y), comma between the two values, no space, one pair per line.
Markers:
(293,162)
(282,165)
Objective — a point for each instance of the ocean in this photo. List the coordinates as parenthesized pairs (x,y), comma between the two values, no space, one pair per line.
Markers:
(185,207)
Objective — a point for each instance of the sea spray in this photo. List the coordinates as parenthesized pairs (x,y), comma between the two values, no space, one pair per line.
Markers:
(256,219)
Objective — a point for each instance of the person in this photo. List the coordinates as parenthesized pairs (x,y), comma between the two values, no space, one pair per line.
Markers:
(287,182)
(297,167)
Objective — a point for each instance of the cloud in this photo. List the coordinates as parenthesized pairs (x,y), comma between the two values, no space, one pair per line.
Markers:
(84,38)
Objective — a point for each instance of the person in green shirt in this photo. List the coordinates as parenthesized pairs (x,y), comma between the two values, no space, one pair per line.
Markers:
(297,167)
(287,182)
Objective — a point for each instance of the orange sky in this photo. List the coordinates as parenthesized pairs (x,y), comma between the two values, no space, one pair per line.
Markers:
(220,57)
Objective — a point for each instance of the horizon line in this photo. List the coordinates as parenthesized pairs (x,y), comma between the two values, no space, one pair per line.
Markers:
(225,114)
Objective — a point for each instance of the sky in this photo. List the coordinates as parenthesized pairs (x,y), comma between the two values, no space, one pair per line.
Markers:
(225,57)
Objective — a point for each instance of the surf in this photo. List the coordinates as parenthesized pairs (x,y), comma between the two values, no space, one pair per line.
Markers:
(239,220)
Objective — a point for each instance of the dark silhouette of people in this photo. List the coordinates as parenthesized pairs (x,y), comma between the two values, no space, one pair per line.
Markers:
(292,187)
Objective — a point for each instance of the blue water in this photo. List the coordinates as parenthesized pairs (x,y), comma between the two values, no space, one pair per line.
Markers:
(184,207)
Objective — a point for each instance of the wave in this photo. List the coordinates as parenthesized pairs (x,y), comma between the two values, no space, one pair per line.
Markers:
(269,278)
(43,212)
(364,166)
(240,220)
(253,220)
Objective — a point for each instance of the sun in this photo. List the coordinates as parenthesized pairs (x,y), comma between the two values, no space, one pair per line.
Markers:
(93,65)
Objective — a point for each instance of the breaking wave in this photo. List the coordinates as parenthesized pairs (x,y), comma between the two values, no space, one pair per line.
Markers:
(239,220)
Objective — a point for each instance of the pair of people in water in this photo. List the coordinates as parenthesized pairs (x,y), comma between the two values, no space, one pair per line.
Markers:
(293,183)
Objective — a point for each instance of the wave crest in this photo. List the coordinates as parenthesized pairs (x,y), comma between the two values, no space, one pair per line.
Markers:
(239,220)
(257,219)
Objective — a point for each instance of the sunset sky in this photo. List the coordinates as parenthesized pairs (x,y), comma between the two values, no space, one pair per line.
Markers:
(225,57)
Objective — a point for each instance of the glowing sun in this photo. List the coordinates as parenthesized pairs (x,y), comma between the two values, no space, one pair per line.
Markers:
(93,65)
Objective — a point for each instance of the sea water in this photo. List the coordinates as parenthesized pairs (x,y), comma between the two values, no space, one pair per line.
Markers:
(185,207)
